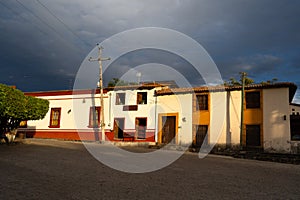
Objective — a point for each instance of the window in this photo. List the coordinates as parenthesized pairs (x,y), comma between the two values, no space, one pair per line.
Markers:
(23,124)
(142,98)
(120,98)
(252,100)
(55,118)
(202,102)
(94,119)
(140,127)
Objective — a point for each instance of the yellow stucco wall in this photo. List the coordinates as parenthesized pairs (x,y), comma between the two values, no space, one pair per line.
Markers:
(180,104)
(253,116)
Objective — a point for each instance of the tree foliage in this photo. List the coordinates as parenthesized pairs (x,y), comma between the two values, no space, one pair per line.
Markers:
(118,82)
(36,108)
(233,82)
(248,81)
(274,80)
(16,107)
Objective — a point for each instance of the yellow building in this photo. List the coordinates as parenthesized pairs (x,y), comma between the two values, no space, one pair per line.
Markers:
(216,116)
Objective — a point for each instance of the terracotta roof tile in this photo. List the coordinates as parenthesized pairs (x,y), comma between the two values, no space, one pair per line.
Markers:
(292,87)
(136,87)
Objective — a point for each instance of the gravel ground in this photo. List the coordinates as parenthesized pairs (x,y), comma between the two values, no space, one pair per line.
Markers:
(51,169)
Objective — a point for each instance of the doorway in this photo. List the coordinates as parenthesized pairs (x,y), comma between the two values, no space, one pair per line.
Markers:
(253,138)
(118,127)
(140,127)
(168,129)
(200,136)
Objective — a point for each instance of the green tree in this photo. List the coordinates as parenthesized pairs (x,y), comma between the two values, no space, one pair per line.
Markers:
(118,82)
(36,108)
(234,82)
(274,80)
(16,107)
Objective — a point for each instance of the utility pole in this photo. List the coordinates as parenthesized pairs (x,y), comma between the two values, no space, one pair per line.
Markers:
(100,85)
(243,76)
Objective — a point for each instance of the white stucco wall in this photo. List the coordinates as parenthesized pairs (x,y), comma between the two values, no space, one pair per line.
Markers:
(276,129)
(65,103)
(144,110)
(74,111)
(82,108)
(217,128)
(233,123)
(225,117)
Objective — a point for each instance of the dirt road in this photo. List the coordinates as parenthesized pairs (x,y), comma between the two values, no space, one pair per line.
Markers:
(49,169)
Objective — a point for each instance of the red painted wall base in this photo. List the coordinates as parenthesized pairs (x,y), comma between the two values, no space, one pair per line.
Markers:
(83,136)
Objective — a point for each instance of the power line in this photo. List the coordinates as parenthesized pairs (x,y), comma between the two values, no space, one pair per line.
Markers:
(36,16)
(9,8)
(49,26)
(16,13)
(64,24)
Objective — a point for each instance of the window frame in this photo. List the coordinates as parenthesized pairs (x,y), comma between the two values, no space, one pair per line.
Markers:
(144,98)
(199,105)
(23,124)
(51,124)
(119,97)
(250,102)
(91,120)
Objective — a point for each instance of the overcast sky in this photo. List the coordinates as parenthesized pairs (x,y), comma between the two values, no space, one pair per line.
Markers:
(43,42)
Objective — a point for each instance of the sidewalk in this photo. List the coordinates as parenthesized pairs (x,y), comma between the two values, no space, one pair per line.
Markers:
(263,156)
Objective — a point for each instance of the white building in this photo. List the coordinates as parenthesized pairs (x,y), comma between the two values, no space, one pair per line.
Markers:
(182,116)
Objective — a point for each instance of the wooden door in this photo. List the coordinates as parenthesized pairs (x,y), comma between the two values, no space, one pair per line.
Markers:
(168,130)
(253,136)
(200,136)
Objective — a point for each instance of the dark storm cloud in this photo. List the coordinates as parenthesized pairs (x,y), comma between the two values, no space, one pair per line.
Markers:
(35,54)
(136,58)
(48,40)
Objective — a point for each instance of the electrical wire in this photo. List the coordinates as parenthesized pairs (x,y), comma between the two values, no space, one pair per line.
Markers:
(49,26)
(16,13)
(64,24)
(37,17)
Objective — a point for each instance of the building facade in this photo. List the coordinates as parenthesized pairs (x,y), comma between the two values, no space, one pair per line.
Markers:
(182,116)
